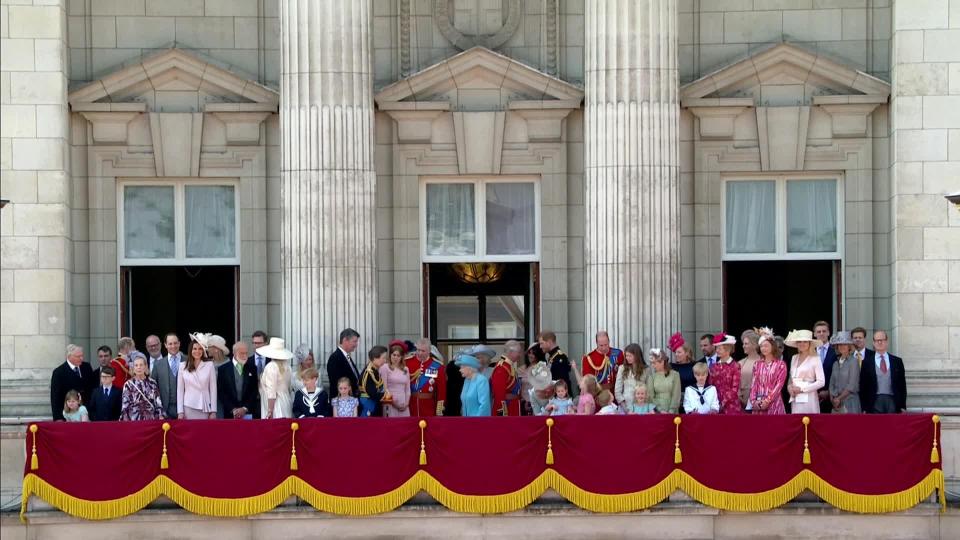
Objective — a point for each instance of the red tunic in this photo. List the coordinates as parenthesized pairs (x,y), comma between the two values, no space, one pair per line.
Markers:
(505,387)
(726,378)
(120,372)
(428,386)
(603,367)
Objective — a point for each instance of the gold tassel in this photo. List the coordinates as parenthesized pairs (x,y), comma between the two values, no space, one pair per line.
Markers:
(549,441)
(34,462)
(164,462)
(423,448)
(806,442)
(293,446)
(935,454)
(677,454)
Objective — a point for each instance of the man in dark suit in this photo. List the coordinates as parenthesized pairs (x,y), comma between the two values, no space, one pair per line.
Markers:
(237,384)
(860,350)
(821,331)
(341,364)
(883,381)
(708,350)
(104,357)
(74,374)
(105,401)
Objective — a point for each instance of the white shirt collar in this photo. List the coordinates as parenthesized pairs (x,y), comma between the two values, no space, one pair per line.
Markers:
(345,353)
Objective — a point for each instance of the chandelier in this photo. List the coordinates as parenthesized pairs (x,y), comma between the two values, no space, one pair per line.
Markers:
(479,273)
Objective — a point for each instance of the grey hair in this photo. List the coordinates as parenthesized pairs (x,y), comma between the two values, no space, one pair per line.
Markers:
(423,341)
(71,348)
(137,354)
(302,352)
(513,345)
(237,344)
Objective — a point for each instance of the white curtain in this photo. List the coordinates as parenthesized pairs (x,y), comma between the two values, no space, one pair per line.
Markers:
(510,219)
(751,217)
(211,222)
(812,216)
(450,219)
(148,222)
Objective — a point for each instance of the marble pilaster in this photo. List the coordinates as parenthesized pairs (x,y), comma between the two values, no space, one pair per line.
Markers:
(328,233)
(631,183)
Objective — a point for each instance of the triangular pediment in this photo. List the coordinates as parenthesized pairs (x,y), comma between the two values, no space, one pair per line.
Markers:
(173,73)
(780,67)
(475,77)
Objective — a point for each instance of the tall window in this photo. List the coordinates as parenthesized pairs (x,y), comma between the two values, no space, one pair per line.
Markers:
(178,222)
(480,219)
(782,217)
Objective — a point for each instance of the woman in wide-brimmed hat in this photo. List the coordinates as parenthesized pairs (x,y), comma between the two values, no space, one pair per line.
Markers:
(845,379)
(806,373)
(276,400)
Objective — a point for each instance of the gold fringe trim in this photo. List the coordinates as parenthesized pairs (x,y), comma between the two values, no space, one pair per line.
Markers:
(482,504)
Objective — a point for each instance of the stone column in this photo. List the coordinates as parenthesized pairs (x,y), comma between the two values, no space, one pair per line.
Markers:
(632,199)
(328,238)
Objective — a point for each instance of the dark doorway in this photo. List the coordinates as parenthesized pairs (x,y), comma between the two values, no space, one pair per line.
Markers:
(182,299)
(783,295)
(463,312)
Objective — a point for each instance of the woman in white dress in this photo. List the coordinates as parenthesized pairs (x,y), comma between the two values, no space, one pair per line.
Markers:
(806,373)
(276,400)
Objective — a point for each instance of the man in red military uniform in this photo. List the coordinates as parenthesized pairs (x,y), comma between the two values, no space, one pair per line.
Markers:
(428,381)
(603,361)
(504,383)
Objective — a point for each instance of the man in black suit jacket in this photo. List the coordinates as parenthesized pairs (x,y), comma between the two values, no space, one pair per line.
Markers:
(237,384)
(821,331)
(341,363)
(860,350)
(105,400)
(74,374)
(876,395)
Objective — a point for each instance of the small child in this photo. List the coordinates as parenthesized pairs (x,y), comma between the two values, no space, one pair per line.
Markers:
(605,401)
(310,401)
(344,405)
(561,403)
(587,402)
(640,405)
(73,411)
(702,398)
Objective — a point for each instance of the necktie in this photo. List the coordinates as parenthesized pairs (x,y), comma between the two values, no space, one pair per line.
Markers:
(859,359)
(259,364)
(174,365)
(77,371)
(883,364)
(239,371)
(823,353)
(106,392)
(352,365)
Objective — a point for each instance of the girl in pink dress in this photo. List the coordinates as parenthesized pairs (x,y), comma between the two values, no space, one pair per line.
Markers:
(769,375)
(725,375)
(397,379)
(589,388)
(806,373)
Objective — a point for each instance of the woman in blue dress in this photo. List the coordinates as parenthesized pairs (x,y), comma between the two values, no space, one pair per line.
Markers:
(476,388)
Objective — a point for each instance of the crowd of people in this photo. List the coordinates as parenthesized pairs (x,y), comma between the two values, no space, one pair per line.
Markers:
(837,374)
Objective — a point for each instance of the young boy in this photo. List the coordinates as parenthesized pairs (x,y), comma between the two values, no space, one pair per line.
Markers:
(105,401)
(310,401)
(606,404)
(702,398)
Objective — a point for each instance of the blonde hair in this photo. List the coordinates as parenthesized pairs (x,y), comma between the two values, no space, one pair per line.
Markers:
(700,368)
(72,394)
(604,398)
(593,387)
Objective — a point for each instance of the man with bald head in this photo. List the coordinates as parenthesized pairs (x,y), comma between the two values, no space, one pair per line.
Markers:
(428,380)
(154,353)
(504,382)
(603,361)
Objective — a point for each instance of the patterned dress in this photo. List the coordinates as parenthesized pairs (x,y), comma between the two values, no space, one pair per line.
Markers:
(768,379)
(345,407)
(141,400)
(725,377)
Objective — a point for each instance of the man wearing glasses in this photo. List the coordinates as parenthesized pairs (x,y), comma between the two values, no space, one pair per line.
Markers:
(883,383)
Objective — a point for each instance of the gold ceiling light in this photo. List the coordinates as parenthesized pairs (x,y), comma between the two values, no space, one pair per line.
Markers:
(479,273)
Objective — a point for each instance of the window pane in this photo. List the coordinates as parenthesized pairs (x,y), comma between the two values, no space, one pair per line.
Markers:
(812,216)
(148,222)
(211,222)
(450,219)
(750,217)
(510,215)
(505,317)
(458,317)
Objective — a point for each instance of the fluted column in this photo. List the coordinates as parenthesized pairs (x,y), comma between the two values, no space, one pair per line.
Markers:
(632,199)
(328,234)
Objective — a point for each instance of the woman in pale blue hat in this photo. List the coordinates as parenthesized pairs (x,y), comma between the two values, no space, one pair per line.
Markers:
(475,395)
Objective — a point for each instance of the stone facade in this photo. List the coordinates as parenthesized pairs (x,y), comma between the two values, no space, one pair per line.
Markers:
(100,93)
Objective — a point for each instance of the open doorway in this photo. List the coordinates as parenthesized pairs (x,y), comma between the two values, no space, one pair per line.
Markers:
(183,299)
(783,295)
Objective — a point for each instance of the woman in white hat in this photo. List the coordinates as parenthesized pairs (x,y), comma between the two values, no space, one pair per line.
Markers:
(845,378)
(806,373)
(275,396)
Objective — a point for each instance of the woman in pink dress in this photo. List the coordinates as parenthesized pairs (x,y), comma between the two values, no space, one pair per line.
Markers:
(397,379)
(806,373)
(769,375)
(725,375)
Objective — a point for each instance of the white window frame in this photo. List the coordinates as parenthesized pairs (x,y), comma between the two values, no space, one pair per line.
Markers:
(180,222)
(780,182)
(480,218)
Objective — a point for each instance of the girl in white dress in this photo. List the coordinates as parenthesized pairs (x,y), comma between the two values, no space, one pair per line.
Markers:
(276,400)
